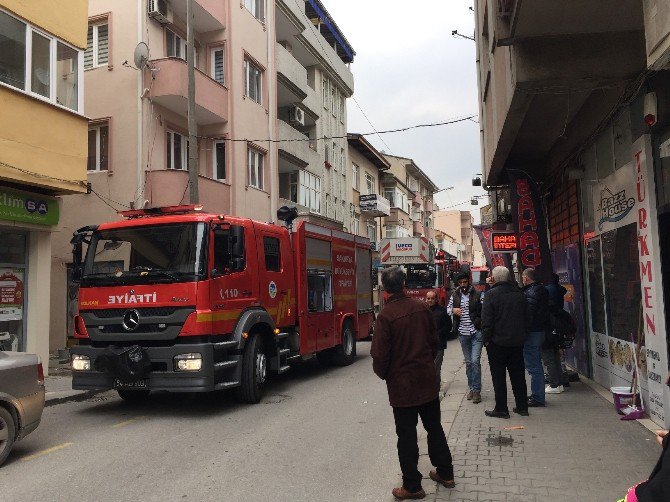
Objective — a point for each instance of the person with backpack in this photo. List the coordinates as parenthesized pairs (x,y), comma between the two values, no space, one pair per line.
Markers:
(551,354)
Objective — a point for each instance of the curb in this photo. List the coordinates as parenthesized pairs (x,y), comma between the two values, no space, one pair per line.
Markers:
(80,396)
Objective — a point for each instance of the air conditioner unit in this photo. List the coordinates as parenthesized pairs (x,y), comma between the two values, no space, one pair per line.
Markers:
(374,246)
(159,10)
(297,116)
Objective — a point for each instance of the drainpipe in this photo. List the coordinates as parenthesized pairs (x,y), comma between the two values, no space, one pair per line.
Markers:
(139,193)
(272,112)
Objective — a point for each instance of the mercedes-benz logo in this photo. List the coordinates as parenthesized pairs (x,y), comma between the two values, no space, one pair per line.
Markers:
(131,320)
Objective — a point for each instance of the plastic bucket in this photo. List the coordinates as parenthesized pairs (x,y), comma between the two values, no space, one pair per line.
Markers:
(623,398)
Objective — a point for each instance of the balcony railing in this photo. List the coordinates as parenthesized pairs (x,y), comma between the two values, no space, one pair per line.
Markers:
(170,90)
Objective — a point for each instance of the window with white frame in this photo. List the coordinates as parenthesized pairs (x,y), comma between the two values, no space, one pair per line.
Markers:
(343,108)
(370,183)
(219,160)
(39,64)
(371,230)
(343,185)
(98,147)
(389,193)
(217,65)
(177,150)
(343,158)
(97,45)
(176,45)
(256,7)
(334,102)
(255,161)
(325,88)
(309,190)
(355,224)
(252,82)
(355,170)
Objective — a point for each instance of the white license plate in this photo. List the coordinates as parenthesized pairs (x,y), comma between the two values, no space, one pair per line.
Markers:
(138,384)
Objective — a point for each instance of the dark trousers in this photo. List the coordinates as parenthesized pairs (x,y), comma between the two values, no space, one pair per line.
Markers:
(508,359)
(408,449)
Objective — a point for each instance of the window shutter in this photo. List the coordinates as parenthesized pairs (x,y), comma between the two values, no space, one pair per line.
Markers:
(103,44)
(88,53)
(218,66)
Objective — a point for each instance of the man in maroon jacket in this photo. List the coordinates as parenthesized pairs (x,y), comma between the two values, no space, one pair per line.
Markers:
(403,351)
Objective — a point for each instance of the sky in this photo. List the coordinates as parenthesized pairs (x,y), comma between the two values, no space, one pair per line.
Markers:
(410,70)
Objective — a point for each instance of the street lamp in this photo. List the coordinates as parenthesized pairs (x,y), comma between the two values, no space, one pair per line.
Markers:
(443,189)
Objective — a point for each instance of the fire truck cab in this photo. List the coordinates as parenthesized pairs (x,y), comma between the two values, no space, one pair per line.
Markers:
(175,299)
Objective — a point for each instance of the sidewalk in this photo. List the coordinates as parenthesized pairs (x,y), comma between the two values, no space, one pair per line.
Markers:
(58,385)
(574,449)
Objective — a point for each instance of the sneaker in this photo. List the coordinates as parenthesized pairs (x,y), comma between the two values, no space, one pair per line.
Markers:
(476,397)
(553,390)
(402,494)
(469,396)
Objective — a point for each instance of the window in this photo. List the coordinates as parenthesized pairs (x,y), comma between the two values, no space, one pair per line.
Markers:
(219,160)
(309,191)
(319,291)
(354,176)
(343,108)
(256,8)
(176,46)
(177,150)
(372,230)
(252,87)
(355,224)
(343,185)
(217,65)
(53,66)
(98,147)
(325,92)
(97,46)
(389,193)
(343,157)
(370,183)
(255,163)
(333,100)
(272,255)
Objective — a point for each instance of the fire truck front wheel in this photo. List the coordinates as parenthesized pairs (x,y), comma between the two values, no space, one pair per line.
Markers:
(133,396)
(345,353)
(254,371)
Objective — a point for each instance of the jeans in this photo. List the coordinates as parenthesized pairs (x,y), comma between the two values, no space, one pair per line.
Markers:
(508,359)
(438,365)
(472,352)
(532,357)
(552,359)
(408,448)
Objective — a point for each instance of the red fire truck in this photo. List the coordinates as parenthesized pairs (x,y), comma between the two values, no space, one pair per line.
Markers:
(424,269)
(174,299)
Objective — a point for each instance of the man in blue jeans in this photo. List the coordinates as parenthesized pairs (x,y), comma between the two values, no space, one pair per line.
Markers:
(537,320)
(465,305)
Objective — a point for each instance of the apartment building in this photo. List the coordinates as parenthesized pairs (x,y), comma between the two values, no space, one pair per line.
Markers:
(271,77)
(410,193)
(578,96)
(313,84)
(42,155)
(459,225)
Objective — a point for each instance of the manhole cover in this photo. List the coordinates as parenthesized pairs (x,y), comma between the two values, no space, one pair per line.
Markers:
(499,440)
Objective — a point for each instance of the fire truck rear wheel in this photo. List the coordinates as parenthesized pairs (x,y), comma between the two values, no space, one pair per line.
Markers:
(254,371)
(133,396)
(345,353)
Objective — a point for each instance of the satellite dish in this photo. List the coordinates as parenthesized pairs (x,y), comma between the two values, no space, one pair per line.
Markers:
(141,55)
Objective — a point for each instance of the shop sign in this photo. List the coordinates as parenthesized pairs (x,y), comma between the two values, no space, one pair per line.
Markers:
(530,225)
(11,295)
(650,280)
(492,259)
(25,207)
(614,200)
(504,242)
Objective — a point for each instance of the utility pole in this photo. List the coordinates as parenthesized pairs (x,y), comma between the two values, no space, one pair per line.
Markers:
(192,126)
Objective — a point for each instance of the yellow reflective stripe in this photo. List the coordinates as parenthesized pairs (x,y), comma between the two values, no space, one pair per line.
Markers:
(318,261)
(217,316)
(345,297)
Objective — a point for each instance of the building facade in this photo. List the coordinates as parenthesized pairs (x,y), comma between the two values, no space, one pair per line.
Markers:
(579,100)
(459,225)
(271,77)
(42,156)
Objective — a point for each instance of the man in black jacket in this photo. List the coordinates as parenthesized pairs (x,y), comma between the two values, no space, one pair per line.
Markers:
(466,306)
(443,325)
(504,330)
(537,305)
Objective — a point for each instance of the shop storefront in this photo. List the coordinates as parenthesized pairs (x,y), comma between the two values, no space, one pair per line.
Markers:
(621,263)
(26,223)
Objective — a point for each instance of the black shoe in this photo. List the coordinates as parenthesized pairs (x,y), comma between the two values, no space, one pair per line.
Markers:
(496,414)
(567,384)
(534,404)
(523,413)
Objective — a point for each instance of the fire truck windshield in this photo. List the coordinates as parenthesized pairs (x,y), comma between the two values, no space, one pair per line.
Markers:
(420,276)
(146,254)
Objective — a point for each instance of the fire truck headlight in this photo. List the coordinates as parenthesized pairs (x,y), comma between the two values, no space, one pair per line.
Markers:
(188,362)
(81,363)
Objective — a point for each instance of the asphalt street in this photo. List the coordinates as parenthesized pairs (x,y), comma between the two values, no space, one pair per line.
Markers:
(319,434)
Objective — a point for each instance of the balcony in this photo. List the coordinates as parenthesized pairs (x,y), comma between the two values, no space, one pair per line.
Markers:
(291,73)
(299,149)
(417,200)
(166,188)
(210,15)
(418,229)
(170,90)
(428,205)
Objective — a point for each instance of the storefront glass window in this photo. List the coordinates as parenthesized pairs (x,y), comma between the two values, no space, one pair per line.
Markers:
(622,282)
(13,247)
(596,294)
